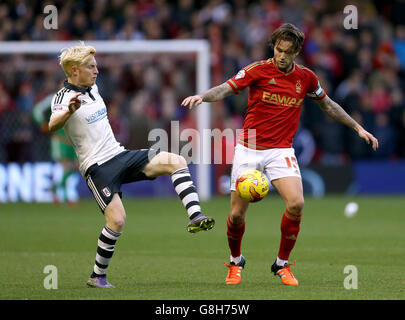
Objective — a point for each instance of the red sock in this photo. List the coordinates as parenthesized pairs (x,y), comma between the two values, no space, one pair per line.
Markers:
(289,233)
(235,233)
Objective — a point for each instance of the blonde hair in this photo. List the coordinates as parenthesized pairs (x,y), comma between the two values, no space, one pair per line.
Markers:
(75,56)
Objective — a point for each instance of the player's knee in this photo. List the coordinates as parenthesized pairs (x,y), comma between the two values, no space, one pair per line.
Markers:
(118,223)
(115,219)
(176,162)
(237,215)
(170,162)
(238,219)
(296,206)
(179,161)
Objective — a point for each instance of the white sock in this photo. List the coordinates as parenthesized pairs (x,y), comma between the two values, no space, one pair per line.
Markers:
(281,263)
(236,260)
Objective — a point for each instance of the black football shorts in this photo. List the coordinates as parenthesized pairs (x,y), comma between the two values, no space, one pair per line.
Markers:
(106,179)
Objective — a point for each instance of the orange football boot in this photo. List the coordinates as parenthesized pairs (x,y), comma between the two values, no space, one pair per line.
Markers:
(234,271)
(285,274)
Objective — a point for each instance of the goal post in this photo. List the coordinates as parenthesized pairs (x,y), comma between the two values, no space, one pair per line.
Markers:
(200,47)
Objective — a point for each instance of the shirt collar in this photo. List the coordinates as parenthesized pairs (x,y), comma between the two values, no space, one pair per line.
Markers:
(73,87)
(292,69)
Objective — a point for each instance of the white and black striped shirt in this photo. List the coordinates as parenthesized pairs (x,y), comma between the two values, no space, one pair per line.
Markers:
(88,128)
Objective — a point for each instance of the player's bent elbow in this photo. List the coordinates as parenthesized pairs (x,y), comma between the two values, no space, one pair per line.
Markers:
(52,126)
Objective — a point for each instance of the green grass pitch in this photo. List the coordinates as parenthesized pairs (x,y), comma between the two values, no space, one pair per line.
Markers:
(156,258)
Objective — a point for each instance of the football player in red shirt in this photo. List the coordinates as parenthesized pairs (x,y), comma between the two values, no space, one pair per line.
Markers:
(277,88)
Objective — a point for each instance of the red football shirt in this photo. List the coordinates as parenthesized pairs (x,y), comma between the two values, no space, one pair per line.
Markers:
(275,102)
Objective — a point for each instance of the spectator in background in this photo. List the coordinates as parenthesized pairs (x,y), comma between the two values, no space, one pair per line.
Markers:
(118,122)
(348,92)
(304,146)
(399,44)
(398,12)
(365,58)
(385,133)
(355,146)
(183,14)
(115,12)
(79,25)
(5,100)
(292,11)
(107,30)
(348,55)
(129,32)
(332,142)
(140,122)
(398,103)
(25,99)
(377,97)
(20,137)
(110,77)
(401,136)
(367,39)
(38,32)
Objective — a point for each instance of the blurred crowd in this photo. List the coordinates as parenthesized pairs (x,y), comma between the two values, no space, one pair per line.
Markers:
(362,69)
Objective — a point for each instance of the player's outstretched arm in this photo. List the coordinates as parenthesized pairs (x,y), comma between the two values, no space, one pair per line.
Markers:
(58,120)
(336,112)
(211,95)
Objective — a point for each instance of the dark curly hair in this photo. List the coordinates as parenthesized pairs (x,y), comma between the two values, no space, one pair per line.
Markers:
(288,32)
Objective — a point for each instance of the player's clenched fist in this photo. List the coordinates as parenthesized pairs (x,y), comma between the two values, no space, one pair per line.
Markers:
(74,103)
(192,101)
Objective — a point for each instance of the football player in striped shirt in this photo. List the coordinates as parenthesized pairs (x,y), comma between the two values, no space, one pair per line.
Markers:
(79,109)
(277,88)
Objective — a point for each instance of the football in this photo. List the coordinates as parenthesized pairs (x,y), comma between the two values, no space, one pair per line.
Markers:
(252,185)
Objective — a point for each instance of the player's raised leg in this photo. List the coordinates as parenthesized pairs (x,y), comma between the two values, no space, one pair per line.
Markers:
(290,189)
(175,165)
(235,230)
(115,220)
